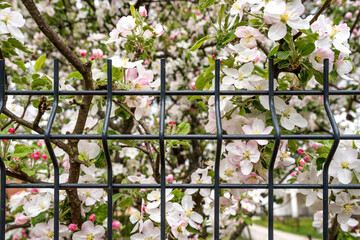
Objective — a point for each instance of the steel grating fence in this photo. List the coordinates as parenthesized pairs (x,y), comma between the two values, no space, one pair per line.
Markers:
(161,137)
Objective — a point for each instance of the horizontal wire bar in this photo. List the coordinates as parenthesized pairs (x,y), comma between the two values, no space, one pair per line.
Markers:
(184,92)
(182,137)
(187,186)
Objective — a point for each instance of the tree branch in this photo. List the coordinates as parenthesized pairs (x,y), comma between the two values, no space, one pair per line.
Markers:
(56,40)
(37,129)
(22,176)
(354,24)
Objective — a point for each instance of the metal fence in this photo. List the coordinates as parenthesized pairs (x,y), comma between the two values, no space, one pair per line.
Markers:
(161,137)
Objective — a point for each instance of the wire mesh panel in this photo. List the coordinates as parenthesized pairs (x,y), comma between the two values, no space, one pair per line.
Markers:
(161,137)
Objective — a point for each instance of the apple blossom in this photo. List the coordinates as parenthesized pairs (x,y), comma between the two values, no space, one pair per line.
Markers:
(317,58)
(344,207)
(148,232)
(244,155)
(236,77)
(257,128)
(179,230)
(280,14)
(37,205)
(10,22)
(46,230)
(248,36)
(89,231)
(344,162)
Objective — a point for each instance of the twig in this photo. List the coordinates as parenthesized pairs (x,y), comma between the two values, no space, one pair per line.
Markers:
(316,16)
(14,226)
(37,129)
(355,23)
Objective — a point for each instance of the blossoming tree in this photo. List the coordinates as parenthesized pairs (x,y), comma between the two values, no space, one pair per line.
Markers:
(299,35)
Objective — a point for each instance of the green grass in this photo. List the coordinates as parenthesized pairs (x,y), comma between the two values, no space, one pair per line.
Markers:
(289,225)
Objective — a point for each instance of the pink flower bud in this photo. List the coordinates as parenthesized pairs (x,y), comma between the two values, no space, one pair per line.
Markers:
(72,227)
(23,232)
(306,158)
(91,58)
(146,62)
(142,11)
(36,157)
(142,190)
(302,162)
(12,130)
(39,143)
(300,151)
(193,85)
(292,174)
(34,190)
(143,208)
(44,156)
(170,178)
(300,168)
(116,224)
(97,53)
(92,217)
(348,15)
(20,219)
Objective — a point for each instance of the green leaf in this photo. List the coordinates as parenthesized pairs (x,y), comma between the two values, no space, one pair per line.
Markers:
(6,130)
(221,14)
(193,230)
(76,75)
(283,55)
(16,43)
(183,128)
(38,219)
(101,213)
(124,203)
(200,42)
(38,83)
(99,161)
(205,3)
(39,63)
(318,76)
(229,37)
(17,210)
(133,11)
(21,151)
(4,5)
(20,64)
(116,197)
(319,163)
(273,51)
(305,76)
(308,49)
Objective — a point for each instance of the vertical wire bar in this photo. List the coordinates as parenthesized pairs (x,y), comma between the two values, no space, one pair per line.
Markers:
(162,151)
(331,152)
(51,150)
(275,150)
(218,150)
(106,150)
(2,164)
